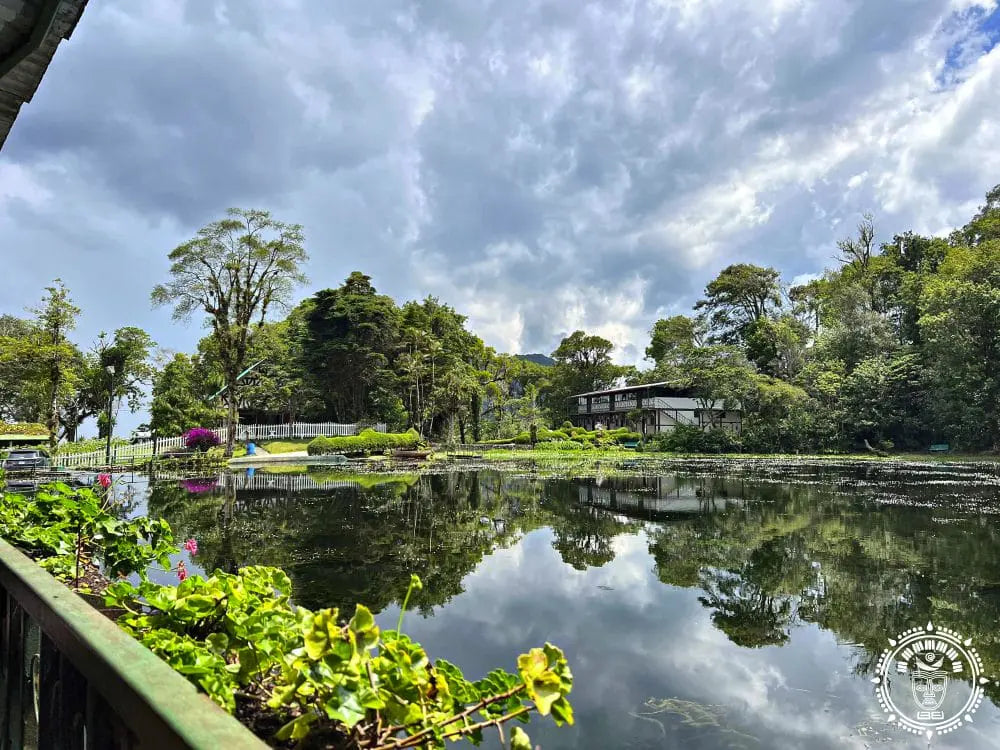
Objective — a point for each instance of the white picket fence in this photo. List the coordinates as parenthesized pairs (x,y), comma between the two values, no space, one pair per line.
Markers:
(300,430)
(127,454)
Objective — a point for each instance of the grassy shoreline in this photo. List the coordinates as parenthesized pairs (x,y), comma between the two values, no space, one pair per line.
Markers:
(621,453)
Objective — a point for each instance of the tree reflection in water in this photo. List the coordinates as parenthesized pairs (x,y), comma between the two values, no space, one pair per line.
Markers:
(765,556)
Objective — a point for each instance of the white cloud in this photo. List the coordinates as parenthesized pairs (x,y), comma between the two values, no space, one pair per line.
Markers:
(541,167)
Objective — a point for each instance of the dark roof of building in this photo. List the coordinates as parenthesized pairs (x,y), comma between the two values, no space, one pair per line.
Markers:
(30,32)
(640,387)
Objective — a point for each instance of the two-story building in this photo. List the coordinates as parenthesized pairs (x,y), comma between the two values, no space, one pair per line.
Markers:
(649,409)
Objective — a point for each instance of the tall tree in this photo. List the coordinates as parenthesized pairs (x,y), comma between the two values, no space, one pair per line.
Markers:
(959,326)
(53,356)
(438,354)
(349,338)
(858,251)
(671,337)
(123,370)
(985,225)
(737,303)
(21,397)
(179,401)
(583,363)
(235,271)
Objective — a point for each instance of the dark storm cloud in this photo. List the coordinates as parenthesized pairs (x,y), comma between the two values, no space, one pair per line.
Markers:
(542,166)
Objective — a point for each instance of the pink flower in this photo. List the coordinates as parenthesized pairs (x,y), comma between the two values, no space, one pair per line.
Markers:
(191,545)
(104,480)
(182,572)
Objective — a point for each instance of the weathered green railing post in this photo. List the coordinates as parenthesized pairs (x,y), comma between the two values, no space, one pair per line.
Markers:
(70,678)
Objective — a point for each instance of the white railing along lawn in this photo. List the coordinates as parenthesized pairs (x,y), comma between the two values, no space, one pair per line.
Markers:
(121,454)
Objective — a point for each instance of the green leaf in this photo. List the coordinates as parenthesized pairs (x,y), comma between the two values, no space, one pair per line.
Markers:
(218,642)
(296,729)
(519,739)
(362,620)
(562,712)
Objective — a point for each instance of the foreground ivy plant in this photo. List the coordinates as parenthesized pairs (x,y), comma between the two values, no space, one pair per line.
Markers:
(315,678)
(66,528)
(332,683)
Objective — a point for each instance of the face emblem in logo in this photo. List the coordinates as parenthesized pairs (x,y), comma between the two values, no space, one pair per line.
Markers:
(944,676)
(928,681)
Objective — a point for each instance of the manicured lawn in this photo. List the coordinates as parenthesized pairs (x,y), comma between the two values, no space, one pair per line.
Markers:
(284,446)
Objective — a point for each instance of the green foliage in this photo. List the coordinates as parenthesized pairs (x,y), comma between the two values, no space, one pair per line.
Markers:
(783,418)
(445,371)
(127,354)
(367,441)
(672,337)
(87,446)
(568,445)
(691,439)
(238,636)
(22,428)
(61,528)
(179,398)
(40,368)
(321,676)
(574,438)
(348,340)
(583,364)
(233,272)
(737,302)
(960,309)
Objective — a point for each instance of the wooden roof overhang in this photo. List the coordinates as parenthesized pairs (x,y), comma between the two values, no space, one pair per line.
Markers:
(30,32)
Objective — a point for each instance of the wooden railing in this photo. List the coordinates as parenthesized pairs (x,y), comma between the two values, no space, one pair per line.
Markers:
(71,679)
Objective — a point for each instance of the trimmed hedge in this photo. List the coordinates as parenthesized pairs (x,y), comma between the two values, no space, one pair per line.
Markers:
(575,435)
(88,446)
(22,428)
(367,441)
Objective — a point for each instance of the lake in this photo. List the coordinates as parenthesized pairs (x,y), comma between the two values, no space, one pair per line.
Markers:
(710,604)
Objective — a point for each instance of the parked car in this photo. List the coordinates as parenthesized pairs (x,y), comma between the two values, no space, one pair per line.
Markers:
(142,432)
(26,458)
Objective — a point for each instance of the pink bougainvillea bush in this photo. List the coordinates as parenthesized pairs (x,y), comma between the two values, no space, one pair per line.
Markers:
(197,486)
(200,439)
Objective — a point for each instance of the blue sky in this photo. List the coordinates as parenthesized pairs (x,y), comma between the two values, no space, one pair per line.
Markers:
(542,166)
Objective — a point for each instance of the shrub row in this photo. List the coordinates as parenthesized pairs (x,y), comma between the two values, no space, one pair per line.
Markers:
(586,438)
(367,442)
(88,446)
(690,439)
(22,428)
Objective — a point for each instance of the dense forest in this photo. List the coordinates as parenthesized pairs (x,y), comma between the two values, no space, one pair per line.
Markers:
(898,346)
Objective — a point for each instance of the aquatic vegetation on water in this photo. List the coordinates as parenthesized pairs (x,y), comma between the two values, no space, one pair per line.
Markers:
(695,715)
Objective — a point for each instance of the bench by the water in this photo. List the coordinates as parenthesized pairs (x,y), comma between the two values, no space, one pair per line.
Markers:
(940,448)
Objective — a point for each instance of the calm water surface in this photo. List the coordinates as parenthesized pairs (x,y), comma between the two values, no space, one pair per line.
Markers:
(722,606)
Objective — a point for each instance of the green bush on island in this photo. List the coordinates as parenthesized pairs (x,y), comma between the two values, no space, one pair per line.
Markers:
(365,442)
(691,439)
(322,678)
(567,445)
(583,437)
